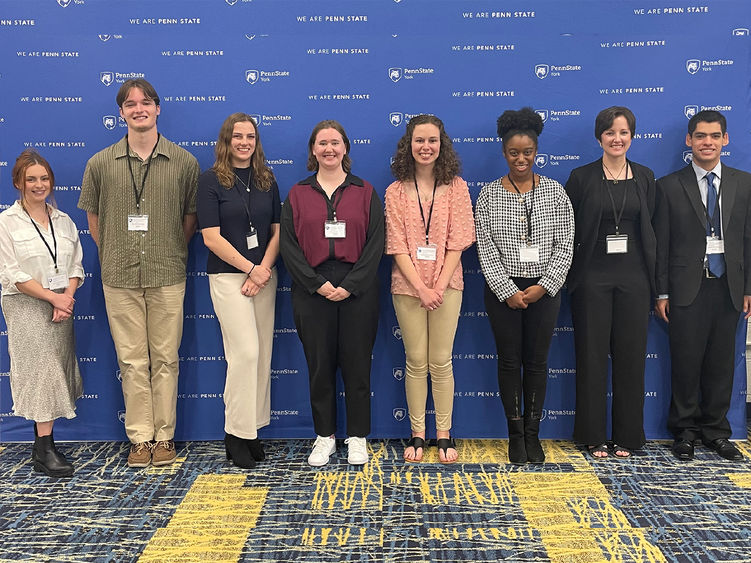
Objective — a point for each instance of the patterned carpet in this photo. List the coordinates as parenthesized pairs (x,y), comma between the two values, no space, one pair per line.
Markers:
(571,509)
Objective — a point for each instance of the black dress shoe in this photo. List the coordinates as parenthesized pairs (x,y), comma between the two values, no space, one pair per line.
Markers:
(683,450)
(724,448)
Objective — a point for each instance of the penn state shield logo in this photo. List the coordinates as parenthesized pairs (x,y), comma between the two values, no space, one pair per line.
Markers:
(398,374)
(257,118)
(107,77)
(541,160)
(251,76)
(400,414)
(397,332)
(396,118)
(118,375)
(104,36)
(690,111)
(693,66)
(544,414)
(121,416)
(231,2)
(250,36)
(64,3)
(395,74)
(109,122)
(688,156)
(541,71)
(543,113)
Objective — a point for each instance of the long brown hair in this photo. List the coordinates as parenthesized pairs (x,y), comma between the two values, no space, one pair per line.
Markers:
(27,158)
(446,165)
(328,124)
(223,168)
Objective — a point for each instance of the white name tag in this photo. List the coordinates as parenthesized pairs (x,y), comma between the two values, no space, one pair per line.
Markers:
(252,239)
(529,253)
(58,280)
(616,244)
(428,252)
(138,222)
(715,245)
(335,229)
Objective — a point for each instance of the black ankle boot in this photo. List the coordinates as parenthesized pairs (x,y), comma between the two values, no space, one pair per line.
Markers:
(256,449)
(532,440)
(517,451)
(238,452)
(48,460)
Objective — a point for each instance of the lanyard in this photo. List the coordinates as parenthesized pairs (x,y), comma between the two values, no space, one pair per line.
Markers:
(243,196)
(139,194)
(527,210)
(617,215)
(41,236)
(711,220)
(336,200)
(430,213)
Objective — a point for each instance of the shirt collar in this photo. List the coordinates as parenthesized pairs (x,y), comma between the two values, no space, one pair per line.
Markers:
(350,180)
(17,209)
(121,148)
(701,173)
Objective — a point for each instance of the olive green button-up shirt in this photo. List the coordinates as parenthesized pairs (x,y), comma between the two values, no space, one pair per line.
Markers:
(155,257)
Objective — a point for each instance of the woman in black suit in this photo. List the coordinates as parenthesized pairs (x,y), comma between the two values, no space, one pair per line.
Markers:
(611,283)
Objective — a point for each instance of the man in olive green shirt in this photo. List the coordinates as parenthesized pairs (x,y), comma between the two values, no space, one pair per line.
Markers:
(140,198)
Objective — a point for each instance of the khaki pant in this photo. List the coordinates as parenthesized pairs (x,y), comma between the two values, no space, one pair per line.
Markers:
(248,333)
(428,338)
(147,326)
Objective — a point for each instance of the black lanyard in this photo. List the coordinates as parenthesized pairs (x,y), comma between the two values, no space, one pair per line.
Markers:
(711,220)
(430,213)
(617,215)
(333,203)
(138,193)
(41,236)
(528,210)
(245,197)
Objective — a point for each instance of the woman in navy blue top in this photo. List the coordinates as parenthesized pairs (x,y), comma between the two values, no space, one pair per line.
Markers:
(238,214)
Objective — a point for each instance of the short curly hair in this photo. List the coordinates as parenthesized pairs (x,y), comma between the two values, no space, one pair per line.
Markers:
(525,121)
(447,164)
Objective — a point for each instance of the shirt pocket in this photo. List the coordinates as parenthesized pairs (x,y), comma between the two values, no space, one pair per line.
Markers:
(66,245)
(28,244)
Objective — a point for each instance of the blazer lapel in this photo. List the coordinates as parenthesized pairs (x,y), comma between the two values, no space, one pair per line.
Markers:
(728,190)
(688,181)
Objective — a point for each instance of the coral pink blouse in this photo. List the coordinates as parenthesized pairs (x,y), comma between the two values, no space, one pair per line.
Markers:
(452,227)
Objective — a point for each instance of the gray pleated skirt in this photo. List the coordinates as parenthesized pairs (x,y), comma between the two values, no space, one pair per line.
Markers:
(44,378)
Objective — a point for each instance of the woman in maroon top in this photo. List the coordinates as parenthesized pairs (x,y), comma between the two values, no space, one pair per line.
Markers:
(332,237)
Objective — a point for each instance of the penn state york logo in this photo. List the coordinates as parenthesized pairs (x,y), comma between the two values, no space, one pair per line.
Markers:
(395,74)
(231,2)
(251,76)
(396,118)
(400,414)
(398,373)
(121,416)
(693,66)
(541,160)
(544,414)
(688,157)
(107,77)
(109,122)
(104,37)
(397,332)
(690,111)
(256,117)
(64,3)
(543,113)
(541,71)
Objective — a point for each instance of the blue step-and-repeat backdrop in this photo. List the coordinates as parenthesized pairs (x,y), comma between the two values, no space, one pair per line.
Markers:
(371,64)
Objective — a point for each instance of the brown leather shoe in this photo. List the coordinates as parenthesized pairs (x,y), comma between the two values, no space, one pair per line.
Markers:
(140,455)
(163,453)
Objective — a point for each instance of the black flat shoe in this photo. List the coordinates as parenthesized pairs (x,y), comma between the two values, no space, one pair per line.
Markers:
(256,449)
(237,452)
(683,450)
(724,449)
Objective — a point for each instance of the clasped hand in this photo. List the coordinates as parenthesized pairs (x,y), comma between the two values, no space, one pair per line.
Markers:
(522,299)
(332,293)
(256,281)
(62,304)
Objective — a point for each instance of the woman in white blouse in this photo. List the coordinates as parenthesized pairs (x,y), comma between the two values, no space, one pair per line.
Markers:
(525,233)
(40,270)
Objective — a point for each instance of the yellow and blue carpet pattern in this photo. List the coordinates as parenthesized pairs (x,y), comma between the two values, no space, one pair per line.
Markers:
(650,508)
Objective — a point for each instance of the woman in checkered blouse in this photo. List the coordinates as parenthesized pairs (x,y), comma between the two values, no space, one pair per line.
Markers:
(525,234)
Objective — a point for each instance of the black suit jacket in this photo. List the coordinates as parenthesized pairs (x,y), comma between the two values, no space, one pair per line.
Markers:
(585,190)
(680,225)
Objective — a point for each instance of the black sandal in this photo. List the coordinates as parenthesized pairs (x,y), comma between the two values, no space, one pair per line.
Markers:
(599,449)
(617,448)
(415,442)
(444,444)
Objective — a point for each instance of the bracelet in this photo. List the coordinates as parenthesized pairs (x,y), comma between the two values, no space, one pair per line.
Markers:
(251,270)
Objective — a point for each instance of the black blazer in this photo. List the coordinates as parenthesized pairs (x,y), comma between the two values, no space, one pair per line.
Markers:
(680,224)
(584,189)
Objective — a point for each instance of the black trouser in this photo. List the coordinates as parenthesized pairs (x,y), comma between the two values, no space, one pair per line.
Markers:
(338,335)
(702,347)
(522,338)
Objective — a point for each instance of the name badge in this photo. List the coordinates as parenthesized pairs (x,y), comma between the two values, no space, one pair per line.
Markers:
(251,238)
(335,229)
(715,245)
(58,280)
(427,252)
(616,244)
(529,253)
(138,222)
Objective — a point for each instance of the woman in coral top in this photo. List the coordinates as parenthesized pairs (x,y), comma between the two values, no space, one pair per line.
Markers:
(428,224)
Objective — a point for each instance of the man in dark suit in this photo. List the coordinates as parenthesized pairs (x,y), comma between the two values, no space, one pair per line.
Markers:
(702,281)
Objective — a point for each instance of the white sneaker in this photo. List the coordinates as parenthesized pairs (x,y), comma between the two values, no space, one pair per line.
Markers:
(322,450)
(357,451)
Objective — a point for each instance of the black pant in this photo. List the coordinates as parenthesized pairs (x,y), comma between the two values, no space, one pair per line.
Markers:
(338,335)
(522,338)
(610,310)
(702,347)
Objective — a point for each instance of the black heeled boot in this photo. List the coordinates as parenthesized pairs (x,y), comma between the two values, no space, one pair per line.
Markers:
(48,460)
(517,451)
(256,449)
(238,452)
(535,454)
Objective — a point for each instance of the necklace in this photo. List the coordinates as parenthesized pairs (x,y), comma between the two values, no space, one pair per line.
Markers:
(614,177)
(246,186)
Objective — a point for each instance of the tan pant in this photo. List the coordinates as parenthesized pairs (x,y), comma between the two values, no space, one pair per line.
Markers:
(147,326)
(248,333)
(428,338)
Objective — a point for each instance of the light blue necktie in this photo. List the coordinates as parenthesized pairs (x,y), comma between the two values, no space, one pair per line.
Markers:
(716,262)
